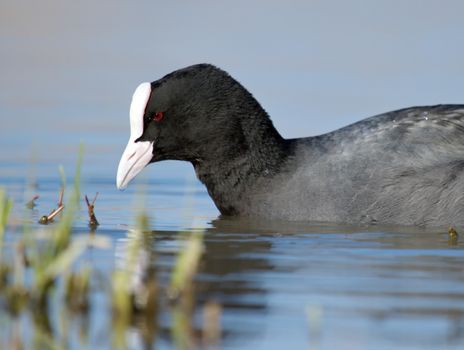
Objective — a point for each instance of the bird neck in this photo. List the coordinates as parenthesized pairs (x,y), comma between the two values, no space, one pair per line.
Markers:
(234,177)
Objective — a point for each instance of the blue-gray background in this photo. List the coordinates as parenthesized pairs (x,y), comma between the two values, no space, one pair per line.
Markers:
(68,68)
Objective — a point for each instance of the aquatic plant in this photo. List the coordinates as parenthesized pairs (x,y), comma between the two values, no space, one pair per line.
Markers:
(453,237)
(32,204)
(76,291)
(49,259)
(136,289)
(186,265)
(59,254)
(93,222)
(5,207)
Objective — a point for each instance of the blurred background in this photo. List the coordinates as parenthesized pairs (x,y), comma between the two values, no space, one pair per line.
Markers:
(68,69)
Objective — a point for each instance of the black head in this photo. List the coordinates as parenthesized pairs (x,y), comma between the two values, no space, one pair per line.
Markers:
(197,114)
(191,112)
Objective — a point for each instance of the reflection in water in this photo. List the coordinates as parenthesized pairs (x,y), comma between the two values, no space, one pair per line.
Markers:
(388,274)
(225,278)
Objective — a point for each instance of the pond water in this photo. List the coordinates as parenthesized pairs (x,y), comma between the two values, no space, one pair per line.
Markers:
(277,284)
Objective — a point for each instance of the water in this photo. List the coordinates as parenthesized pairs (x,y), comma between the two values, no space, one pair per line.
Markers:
(68,70)
(279,284)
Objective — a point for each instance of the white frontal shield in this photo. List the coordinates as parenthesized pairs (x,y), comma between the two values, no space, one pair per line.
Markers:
(137,154)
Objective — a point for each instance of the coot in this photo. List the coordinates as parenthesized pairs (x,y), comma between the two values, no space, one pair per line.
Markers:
(402,167)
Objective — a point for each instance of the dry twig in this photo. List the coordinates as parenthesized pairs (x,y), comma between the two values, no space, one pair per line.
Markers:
(93,222)
(45,219)
(31,204)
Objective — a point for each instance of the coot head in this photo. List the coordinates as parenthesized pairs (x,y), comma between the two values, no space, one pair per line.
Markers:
(196,114)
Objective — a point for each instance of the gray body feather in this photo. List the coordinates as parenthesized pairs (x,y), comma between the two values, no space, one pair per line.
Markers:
(403,167)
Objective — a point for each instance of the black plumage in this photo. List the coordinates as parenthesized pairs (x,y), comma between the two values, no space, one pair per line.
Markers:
(402,167)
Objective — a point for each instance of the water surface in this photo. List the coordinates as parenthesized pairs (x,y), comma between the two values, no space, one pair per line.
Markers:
(279,284)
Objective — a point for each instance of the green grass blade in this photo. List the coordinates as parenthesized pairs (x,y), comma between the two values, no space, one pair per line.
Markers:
(5,207)
(187,263)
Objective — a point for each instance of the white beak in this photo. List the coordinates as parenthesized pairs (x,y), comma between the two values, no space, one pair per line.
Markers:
(137,154)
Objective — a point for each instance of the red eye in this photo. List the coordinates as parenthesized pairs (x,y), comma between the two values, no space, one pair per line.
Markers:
(158,116)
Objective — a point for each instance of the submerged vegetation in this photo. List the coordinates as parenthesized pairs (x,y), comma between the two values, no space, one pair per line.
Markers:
(453,236)
(34,271)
